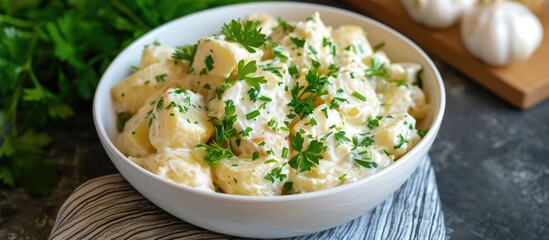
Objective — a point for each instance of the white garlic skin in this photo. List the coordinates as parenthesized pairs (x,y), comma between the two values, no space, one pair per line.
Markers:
(501,32)
(437,13)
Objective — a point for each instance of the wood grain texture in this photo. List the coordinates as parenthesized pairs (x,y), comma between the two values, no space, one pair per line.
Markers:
(523,84)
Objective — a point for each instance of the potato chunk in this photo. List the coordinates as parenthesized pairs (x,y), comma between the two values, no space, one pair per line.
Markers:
(243,176)
(179,165)
(179,120)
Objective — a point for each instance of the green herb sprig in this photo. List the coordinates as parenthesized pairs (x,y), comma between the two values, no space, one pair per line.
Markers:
(52,54)
(303,98)
(305,159)
(246,33)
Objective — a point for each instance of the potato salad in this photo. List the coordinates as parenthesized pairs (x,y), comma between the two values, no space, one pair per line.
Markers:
(269,107)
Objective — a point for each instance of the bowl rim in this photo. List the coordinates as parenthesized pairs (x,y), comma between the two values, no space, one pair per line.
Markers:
(435,124)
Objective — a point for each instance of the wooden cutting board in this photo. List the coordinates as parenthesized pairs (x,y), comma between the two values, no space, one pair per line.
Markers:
(522,84)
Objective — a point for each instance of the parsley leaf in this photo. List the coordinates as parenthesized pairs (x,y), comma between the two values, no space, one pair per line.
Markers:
(376,69)
(276,173)
(336,101)
(366,163)
(373,122)
(401,140)
(246,33)
(303,98)
(215,153)
(300,43)
(305,159)
(341,138)
(245,69)
(364,159)
(185,53)
(367,141)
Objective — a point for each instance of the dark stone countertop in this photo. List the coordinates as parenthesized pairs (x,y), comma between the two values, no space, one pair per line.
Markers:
(491,161)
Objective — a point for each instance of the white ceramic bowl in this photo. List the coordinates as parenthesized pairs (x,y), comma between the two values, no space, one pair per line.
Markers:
(277,216)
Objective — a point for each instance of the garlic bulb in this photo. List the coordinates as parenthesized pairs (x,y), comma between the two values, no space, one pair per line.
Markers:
(500,32)
(436,13)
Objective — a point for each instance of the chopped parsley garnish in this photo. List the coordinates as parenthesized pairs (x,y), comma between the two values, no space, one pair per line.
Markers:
(325,136)
(305,159)
(342,177)
(386,152)
(326,42)
(315,63)
(288,186)
(303,98)
(276,174)
(185,53)
(341,138)
(363,159)
(379,46)
(255,155)
(122,120)
(366,163)
(419,81)
(402,83)
(336,101)
(246,132)
(293,70)
(170,105)
(367,141)
(359,96)
(274,70)
(352,75)
(160,103)
(245,69)
(135,68)
(422,133)
(325,111)
(161,78)
(224,131)
(401,140)
(215,153)
(300,43)
(286,27)
(376,69)
(313,50)
(280,53)
(351,48)
(209,62)
(246,33)
(373,122)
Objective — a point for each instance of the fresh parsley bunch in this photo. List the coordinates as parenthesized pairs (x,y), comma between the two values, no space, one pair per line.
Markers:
(52,54)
